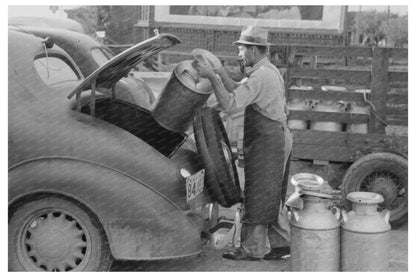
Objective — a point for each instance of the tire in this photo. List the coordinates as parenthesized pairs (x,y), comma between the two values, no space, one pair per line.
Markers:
(383,173)
(54,234)
(221,178)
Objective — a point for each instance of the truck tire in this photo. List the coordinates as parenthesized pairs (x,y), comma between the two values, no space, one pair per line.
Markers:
(221,178)
(383,173)
(54,234)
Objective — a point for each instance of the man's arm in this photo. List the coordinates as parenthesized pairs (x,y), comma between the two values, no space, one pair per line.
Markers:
(223,96)
(229,83)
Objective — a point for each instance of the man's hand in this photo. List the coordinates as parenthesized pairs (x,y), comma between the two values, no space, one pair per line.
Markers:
(205,70)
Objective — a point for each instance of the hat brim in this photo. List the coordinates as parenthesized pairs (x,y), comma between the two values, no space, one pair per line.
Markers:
(244,42)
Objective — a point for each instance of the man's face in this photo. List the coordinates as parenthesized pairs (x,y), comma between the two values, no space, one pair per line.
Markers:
(246,54)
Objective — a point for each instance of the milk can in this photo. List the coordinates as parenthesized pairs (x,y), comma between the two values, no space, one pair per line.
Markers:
(298,105)
(314,232)
(365,234)
(360,128)
(327,106)
(182,95)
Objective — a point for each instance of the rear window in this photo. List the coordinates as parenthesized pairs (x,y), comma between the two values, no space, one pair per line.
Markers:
(101,56)
(55,70)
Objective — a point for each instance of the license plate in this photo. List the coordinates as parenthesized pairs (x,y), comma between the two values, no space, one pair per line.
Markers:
(195,185)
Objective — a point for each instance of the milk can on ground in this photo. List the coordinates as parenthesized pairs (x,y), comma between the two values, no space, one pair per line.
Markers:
(365,234)
(314,229)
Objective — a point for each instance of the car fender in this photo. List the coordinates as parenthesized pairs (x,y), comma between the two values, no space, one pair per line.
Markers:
(140,223)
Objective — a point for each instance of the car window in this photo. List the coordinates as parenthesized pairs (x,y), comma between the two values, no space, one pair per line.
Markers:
(54,70)
(108,53)
(100,56)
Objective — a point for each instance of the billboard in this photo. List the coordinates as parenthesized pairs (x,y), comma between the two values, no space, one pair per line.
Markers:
(282,17)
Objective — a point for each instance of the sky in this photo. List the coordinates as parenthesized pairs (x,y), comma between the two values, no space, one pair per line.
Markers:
(401,10)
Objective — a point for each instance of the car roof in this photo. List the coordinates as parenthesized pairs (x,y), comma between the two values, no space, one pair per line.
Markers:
(45,21)
(77,45)
(23,48)
(118,67)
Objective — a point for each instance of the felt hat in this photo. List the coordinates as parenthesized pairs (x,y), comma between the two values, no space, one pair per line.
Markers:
(253,35)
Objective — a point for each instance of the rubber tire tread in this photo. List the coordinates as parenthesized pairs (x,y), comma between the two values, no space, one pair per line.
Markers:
(101,258)
(362,167)
(209,132)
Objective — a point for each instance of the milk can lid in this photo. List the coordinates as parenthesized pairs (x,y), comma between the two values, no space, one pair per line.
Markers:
(205,56)
(307,181)
(365,197)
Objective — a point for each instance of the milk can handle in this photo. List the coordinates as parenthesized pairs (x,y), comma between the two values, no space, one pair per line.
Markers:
(386,215)
(344,216)
(295,214)
(337,212)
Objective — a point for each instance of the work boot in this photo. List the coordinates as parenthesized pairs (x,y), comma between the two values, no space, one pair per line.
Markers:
(277,253)
(238,254)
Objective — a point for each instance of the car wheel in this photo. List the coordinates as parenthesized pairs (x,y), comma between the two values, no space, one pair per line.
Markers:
(383,173)
(221,179)
(54,234)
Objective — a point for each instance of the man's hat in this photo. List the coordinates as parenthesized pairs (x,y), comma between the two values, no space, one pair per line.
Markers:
(253,35)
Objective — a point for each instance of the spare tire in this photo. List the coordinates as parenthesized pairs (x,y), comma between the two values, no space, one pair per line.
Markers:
(221,178)
(383,173)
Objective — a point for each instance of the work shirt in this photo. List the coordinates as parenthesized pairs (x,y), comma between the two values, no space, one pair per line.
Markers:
(264,88)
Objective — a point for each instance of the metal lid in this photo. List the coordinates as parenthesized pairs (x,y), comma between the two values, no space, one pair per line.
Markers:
(307,181)
(365,197)
(205,56)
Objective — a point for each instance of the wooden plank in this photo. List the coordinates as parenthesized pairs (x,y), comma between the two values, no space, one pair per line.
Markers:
(323,153)
(326,95)
(332,51)
(328,116)
(379,88)
(397,98)
(342,138)
(397,120)
(398,76)
(341,146)
(399,53)
(397,111)
(358,77)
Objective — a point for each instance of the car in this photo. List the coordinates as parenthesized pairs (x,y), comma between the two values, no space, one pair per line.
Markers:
(87,53)
(47,21)
(93,178)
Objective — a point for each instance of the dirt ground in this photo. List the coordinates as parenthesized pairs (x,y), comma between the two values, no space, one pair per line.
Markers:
(211,259)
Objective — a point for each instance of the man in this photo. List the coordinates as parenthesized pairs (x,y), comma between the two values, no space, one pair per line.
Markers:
(267,143)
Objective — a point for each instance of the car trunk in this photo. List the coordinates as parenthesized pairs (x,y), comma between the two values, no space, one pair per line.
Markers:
(138,122)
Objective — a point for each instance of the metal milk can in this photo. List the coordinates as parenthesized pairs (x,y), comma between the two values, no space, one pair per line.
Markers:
(365,234)
(298,105)
(182,96)
(360,128)
(314,232)
(327,106)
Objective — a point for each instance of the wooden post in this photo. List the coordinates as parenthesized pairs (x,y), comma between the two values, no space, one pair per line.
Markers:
(379,88)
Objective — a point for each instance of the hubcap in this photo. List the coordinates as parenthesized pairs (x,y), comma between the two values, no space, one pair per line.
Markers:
(55,241)
(388,185)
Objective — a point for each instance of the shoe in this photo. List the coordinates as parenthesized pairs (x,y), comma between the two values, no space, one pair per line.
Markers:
(238,254)
(277,253)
